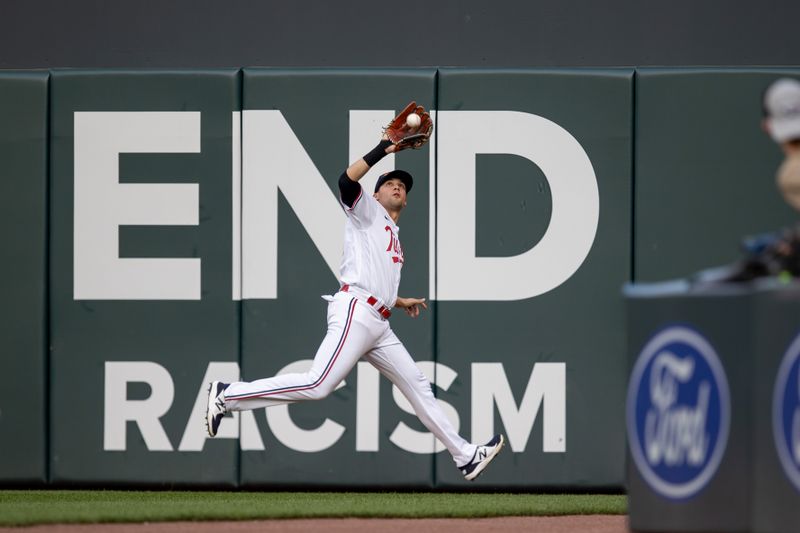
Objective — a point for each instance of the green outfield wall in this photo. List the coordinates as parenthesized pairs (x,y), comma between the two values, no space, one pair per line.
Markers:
(24,284)
(163,228)
(509,349)
(300,130)
(141,221)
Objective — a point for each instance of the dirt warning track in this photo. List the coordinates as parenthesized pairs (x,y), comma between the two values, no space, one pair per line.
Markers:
(539,524)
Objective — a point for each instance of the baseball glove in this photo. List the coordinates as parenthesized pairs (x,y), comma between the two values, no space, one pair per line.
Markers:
(405,136)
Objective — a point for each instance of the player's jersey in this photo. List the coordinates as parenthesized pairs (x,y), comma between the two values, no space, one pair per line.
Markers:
(372,256)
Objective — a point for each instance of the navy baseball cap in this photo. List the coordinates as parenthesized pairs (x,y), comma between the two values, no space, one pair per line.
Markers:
(402,175)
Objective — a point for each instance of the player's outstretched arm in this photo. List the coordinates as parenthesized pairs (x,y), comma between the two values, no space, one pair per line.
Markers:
(411,305)
(349,188)
(357,170)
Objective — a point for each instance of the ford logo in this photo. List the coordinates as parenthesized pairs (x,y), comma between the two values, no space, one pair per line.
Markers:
(678,412)
(786,413)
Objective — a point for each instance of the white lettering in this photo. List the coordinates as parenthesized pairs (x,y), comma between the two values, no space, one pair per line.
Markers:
(367,408)
(675,434)
(273,159)
(462,274)
(119,410)
(547,385)
(267,157)
(102,204)
(489,387)
(236,205)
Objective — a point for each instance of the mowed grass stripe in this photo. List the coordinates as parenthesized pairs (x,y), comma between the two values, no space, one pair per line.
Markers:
(84,506)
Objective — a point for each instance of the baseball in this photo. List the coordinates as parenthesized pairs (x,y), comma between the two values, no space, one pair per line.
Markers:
(413,120)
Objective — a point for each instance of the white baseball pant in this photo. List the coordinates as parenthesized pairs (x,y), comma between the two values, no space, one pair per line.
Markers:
(355,330)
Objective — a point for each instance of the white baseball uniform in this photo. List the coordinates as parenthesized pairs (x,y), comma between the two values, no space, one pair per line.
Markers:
(358,327)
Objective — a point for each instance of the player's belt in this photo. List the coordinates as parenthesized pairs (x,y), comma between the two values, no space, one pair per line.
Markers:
(371,300)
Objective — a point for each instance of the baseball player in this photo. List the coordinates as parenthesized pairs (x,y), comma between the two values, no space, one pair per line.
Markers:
(358,325)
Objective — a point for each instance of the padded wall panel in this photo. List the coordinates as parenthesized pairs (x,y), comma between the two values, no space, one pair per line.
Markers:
(141,274)
(23,275)
(321,121)
(529,309)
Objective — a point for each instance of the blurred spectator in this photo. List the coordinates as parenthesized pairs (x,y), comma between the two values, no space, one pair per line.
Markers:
(776,253)
(781,107)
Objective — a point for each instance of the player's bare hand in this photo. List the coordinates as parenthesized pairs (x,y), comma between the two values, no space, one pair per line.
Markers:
(411,305)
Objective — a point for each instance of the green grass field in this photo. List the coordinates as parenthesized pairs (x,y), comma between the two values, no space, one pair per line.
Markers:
(26,507)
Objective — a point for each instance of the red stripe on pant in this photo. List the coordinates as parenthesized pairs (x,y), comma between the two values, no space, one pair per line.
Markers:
(321,379)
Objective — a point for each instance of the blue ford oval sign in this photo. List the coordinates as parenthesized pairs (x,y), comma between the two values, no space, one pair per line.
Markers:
(786,412)
(678,412)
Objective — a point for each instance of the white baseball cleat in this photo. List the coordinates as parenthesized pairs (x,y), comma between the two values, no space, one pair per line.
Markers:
(215,408)
(483,456)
